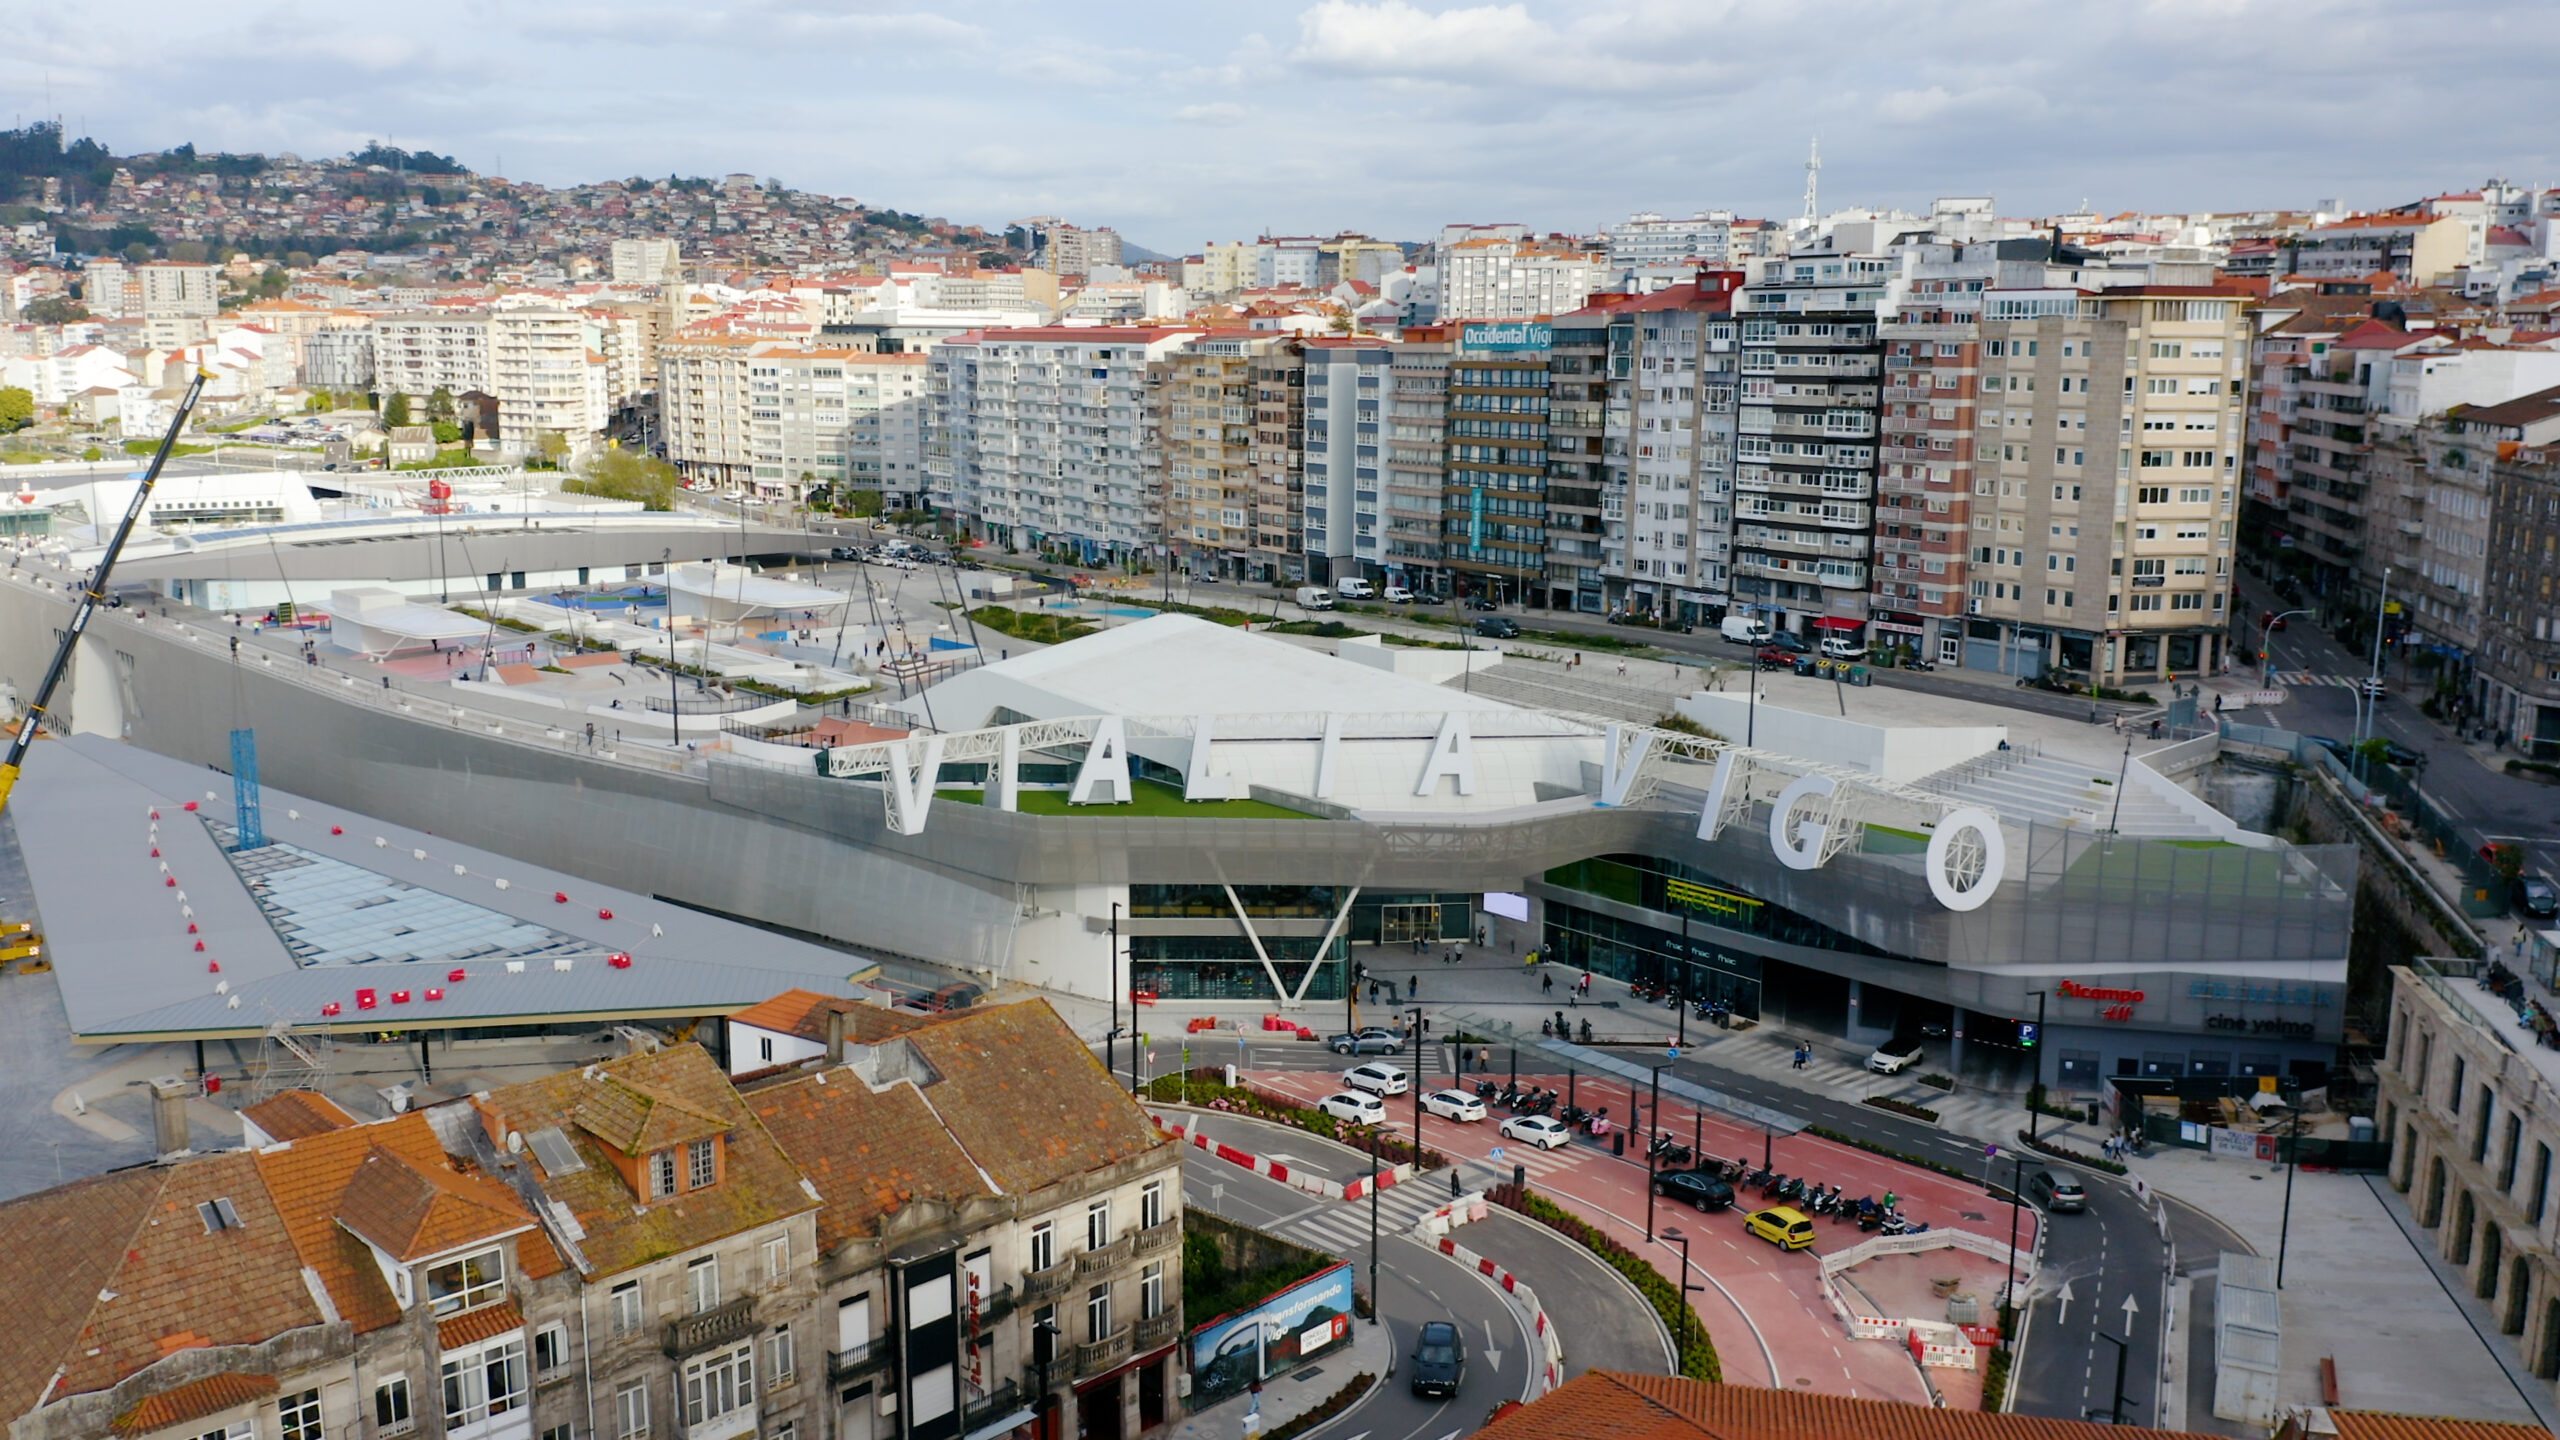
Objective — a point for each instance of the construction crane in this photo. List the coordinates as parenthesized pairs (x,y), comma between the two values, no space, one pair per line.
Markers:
(95,592)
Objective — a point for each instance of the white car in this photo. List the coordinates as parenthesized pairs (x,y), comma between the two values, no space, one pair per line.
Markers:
(1894,1056)
(1355,1107)
(1397,595)
(1538,1130)
(1838,649)
(1453,1105)
(1377,1077)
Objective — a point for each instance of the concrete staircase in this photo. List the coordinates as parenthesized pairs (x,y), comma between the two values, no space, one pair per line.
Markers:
(1578,692)
(2021,785)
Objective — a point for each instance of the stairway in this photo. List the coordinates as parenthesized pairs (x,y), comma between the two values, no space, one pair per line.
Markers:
(1576,692)
(2021,786)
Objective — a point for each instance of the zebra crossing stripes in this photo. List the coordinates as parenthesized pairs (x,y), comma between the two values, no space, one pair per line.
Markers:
(1339,1229)
(2305,677)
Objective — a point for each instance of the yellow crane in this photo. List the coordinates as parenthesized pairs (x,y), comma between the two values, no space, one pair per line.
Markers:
(93,595)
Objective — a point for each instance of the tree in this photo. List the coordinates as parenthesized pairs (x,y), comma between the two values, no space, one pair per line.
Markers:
(395,411)
(137,252)
(193,252)
(866,504)
(552,447)
(440,406)
(297,259)
(17,408)
(626,475)
(54,310)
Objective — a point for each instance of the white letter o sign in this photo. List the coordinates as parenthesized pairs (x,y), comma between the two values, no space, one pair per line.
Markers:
(1985,827)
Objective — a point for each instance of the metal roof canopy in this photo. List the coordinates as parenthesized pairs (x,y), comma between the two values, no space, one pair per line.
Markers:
(1588,1058)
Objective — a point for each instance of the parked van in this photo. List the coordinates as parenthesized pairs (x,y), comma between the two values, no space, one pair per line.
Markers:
(1314,597)
(1744,630)
(1352,587)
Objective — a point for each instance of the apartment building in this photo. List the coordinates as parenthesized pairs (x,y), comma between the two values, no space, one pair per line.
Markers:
(1069,250)
(1586,463)
(2469,1118)
(1050,436)
(339,359)
(1228,497)
(154,289)
(1647,238)
(646,262)
(1664,526)
(1279,462)
(632,1249)
(418,352)
(1356,258)
(2105,478)
(2415,248)
(1516,279)
(549,379)
(1417,438)
(1350,385)
(773,418)
(1493,529)
(1806,438)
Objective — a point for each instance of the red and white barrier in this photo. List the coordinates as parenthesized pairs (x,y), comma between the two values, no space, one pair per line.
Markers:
(1550,1347)
(1264,1165)
(1465,1210)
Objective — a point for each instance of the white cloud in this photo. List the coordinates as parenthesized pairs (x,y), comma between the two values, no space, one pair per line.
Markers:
(1222,112)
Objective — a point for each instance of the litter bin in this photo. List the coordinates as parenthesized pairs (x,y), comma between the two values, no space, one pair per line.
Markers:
(1858,675)
(1618,1142)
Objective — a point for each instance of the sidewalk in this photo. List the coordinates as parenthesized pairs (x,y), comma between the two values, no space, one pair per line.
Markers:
(1287,1396)
(2358,1291)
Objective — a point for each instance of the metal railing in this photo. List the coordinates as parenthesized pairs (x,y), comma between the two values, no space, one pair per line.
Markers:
(861,1359)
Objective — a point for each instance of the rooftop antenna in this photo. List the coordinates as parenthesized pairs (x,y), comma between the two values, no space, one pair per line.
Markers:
(1812,179)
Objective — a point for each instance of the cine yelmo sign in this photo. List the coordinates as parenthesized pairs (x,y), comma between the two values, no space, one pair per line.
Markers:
(1508,335)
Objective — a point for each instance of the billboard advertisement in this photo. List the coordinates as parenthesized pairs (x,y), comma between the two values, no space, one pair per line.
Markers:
(1232,1351)
(1508,335)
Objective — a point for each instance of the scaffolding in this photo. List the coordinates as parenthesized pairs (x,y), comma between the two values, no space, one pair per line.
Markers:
(290,1061)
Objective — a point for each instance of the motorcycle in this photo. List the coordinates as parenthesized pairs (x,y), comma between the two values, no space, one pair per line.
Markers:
(1870,1215)
(1758,1176)
(1792,1191)
(1770,1187)
(1510,1096)
(1852,1209)
(1574,1115)
(1487,1089)
(1596,1122)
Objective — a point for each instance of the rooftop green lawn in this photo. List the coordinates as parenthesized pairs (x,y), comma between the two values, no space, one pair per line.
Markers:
(1149,798)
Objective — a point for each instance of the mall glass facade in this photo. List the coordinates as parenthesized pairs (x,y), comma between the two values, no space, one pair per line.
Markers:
(1711,964)
(1219,961)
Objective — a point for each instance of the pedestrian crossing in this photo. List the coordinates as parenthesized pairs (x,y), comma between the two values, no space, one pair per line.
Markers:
(1339,1227)
(2305,677)
(1843,1075)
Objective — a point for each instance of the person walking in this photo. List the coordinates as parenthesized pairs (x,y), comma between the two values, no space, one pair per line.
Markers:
(1412,986)
(1546,984)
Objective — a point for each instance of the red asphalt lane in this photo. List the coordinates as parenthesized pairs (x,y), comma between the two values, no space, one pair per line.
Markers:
(1765,1307)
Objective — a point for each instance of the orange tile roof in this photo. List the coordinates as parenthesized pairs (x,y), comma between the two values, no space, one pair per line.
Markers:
(636,1118)
(64,1246)
(192,1401)
(870,1154)
(759,1185)
(294,1114)
(1608,1405)
(1025,1097)
(2372,1425)
(473,1326)
(413,1211)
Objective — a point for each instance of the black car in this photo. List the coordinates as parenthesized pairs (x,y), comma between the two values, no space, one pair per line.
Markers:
(2537,897)
(1792,644)
(2401,755)
(1498,627)
(1480,602)
(1439,1359)
(1704,1191)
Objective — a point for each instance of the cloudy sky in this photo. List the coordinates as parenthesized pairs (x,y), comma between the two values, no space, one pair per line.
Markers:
(1181,123)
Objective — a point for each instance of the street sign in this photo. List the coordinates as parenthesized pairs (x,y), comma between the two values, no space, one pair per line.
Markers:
(1495,1153)
(1671,1052)
(1990,1152)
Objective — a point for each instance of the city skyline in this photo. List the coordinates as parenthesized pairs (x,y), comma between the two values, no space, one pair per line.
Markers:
(1404,117)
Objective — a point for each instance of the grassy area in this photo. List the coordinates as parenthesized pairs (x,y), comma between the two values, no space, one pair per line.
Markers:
(145,447)
(1041,627)
(2212,868)
(1149,799)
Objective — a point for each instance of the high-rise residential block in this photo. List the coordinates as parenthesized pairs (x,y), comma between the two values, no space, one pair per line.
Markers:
(548,377)
(647,262)
(1493,524)
(1417,438)
(777,419)
(1229,437)
(417,353)
(1507,279)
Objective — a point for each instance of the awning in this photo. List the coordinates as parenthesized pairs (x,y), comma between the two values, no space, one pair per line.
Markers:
(1836,622)
(1003,1425)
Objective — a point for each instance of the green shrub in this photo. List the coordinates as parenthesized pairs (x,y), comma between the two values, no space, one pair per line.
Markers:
(1041,627)
(2043,1146)
(1343,1399)
(1903,1107)
(1936,1081)
(1698,1360)
(1995,1376)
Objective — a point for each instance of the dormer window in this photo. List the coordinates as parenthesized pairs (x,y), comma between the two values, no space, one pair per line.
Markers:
(662,1175)
(703,1163)
(467,1283)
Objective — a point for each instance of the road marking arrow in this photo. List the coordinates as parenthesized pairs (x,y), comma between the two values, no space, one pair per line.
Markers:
(2130,1310)
(2065,1297)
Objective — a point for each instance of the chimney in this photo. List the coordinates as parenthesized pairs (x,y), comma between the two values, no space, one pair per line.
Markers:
(835,1034)
(169,1096)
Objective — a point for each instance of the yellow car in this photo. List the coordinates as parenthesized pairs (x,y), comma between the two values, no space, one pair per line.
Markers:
(1784,1227)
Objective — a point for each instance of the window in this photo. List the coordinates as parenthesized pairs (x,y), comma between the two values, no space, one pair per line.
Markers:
(631,1411)
(298,1416)
(1097,1224)
(662,1174)
(560,1432)
(463,1284)
(1044,1245)
(718,1385)
(1097,1314)
(238,1430)
(392,1414)
(483,1384)
(626,1307)
(1151,1206)
(2541,1182)
(550,1348)
(705,1163)
(1151,1291)
(777,1258)
(702,1283)
(781,1356)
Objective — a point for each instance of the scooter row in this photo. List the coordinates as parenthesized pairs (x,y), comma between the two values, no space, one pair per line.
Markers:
(1519,1100)
(1814,1198)
(1704,1009)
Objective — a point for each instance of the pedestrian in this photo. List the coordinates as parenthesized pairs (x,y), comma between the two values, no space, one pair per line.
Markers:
(1888,1199)
(1546,984)
(1560,1025)
(1412,986)
(1484,1058)
(1622,669)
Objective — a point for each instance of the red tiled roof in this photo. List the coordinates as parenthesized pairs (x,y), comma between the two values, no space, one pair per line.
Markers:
(870,1154)
(1025,1097)
(2372,1425)
(413,1211)
(294,1114)
(473,1326)
(192,1401)
(1608,1405)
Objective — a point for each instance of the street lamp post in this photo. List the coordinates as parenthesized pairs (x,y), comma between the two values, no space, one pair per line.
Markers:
(2008,1297)
(1111,1041)
(1415,1085)
(1373,1225)
(1688,1287)
(2284,1228)
(2267,643)
(1651,1176)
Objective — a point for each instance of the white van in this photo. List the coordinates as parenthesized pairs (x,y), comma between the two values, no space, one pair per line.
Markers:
(1743,630)
(1352,587)
(1314,597)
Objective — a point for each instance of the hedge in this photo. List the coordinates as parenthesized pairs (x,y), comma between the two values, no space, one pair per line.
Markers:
(1341,1400)
(1903,1107)
(1698,1360)
(1995,1376)
(2043,1146)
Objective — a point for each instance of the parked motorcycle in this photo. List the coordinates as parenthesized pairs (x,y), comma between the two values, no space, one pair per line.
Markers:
(1758,1178)
(1854,1209)
(1574,1115)
(1487,1089)
(1770,1187)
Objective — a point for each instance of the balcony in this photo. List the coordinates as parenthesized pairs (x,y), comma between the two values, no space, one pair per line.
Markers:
(860,1360)
(719,1325)
(1094,1262)
(1156,1238)
(1050,1283)
(1102,1354)
(1157,1330)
